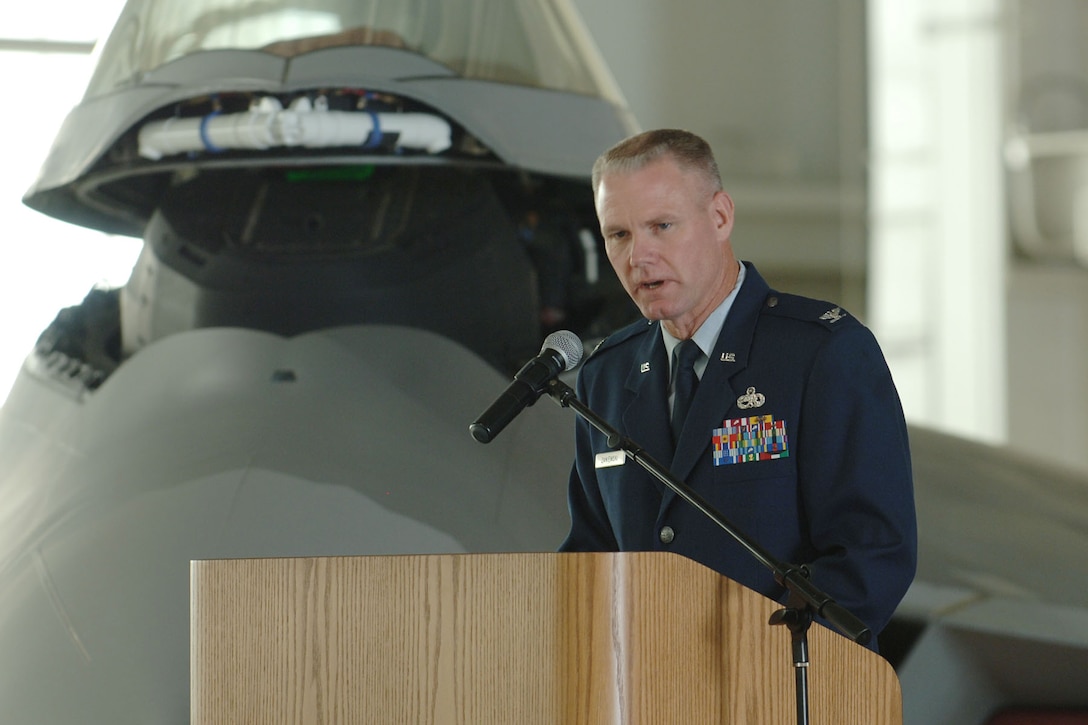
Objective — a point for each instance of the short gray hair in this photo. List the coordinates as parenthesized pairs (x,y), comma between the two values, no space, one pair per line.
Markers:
(691,152)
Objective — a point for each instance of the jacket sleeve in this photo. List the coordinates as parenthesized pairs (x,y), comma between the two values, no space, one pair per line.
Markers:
(855,481)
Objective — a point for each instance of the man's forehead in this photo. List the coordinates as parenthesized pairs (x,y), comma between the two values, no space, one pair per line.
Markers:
(655,190)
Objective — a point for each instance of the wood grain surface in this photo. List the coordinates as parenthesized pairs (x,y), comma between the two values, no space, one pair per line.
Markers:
(632,638)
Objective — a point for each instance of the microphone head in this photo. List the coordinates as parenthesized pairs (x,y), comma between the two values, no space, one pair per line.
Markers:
(568,345)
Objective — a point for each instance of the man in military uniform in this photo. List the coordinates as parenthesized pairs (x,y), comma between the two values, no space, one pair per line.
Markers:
(794,431)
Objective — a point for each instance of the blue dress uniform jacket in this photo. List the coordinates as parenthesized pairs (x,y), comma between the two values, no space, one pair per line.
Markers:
(837,495)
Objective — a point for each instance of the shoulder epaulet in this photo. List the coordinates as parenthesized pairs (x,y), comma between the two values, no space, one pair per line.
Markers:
(807,309)
(635,329)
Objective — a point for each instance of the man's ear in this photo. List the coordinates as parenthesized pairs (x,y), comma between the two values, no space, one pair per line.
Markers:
(722,207)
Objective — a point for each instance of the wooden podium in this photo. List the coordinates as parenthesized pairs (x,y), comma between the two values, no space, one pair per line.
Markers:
(554,639)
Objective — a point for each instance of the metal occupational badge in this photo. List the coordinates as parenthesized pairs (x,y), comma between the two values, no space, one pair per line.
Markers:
(751,399)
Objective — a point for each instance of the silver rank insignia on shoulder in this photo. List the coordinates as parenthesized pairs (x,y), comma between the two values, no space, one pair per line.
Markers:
(644,367)
(751,399)
(833,315)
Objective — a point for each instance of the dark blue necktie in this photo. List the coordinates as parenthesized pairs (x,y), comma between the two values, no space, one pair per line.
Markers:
(684,383)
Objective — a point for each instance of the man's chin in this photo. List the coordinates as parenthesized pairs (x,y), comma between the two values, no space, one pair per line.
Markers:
(654,313)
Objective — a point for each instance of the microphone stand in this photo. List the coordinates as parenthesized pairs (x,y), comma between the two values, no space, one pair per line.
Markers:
(805,601)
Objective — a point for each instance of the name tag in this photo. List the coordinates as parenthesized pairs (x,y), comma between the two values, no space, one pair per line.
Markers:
(610,459)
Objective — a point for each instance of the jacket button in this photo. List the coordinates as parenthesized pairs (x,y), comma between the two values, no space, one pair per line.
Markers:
(666,535)
(772,301)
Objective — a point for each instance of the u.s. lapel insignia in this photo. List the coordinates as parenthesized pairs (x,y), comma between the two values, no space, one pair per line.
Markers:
(833,315)
(644,368)
(751,399)
(729,357)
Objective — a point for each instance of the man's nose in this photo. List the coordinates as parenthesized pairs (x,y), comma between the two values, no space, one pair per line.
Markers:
(643,249)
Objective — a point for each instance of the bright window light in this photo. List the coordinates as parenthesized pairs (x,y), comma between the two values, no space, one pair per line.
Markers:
(45,264)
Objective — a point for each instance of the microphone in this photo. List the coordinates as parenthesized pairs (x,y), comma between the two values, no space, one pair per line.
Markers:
(562,351)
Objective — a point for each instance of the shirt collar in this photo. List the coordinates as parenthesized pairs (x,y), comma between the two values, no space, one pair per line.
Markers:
(707,334)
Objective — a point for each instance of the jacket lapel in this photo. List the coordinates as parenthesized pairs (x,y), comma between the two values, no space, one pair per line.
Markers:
(715,397)
(646,418)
